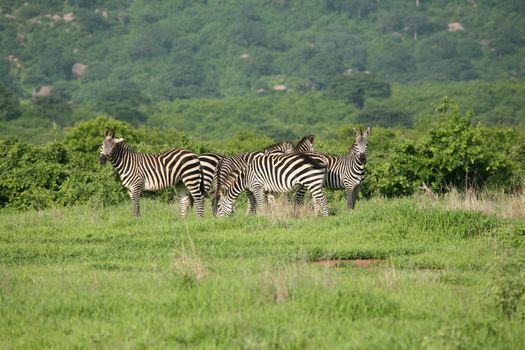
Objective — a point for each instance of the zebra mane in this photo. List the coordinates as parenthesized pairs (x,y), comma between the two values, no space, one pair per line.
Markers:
(283,146)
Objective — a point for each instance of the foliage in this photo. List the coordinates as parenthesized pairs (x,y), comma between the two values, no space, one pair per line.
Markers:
(203,49)
(123,104)
(9,105)
(507,293)
(276,116)
(31,175)
(355,88)
(385,117)
(454,154)
(67,173)
(52,108)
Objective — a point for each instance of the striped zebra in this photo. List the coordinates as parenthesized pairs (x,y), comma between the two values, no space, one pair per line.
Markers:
(209,163)
(275,173)
(232,163)
(305,145)
(285,147)
(229,165)
(345,172)
(138,171)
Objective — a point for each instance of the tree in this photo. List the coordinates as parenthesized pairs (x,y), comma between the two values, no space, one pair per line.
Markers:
(453,154)
(9,105)
(385,117)
(355,88)
(123,104)
(53,108)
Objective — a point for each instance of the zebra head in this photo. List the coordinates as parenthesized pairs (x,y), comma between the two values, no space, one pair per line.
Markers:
(108,145)
(223,204)
(306,144)
(228,192)
(360,146)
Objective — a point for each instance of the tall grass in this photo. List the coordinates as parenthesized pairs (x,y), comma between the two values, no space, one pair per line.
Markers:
(508,205)
(96,278)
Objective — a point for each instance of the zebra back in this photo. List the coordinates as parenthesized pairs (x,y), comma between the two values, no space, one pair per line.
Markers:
(139,171)
(274,173)
(285,147)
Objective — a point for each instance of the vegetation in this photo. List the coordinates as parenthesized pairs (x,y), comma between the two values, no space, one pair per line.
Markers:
(443,279)
(441,271)
(194,49)
(453,153)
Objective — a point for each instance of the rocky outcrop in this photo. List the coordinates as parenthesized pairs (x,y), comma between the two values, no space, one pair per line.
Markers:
(78,69)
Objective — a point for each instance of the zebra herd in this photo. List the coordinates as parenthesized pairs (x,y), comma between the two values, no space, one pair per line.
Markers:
(280,168)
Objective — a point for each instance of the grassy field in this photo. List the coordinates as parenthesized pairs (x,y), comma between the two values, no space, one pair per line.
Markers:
(441,278)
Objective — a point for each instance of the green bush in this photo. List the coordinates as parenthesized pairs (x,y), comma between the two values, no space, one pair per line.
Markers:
(453,154)
(31,175)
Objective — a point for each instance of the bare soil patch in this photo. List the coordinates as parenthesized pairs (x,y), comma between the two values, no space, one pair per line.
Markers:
(364,263)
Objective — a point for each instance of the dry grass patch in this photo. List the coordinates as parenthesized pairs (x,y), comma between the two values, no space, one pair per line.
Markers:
(283,207)
(506,205)
(188,264)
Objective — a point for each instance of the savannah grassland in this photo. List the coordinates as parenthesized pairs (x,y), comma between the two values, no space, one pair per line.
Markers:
(450,274)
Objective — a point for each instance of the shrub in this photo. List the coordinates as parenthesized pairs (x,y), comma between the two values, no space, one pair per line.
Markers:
(453,154)
(31,175)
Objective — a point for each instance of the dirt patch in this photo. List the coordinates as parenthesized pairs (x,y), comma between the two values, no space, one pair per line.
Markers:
(364,263)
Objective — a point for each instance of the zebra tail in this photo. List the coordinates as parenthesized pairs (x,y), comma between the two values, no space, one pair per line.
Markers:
(202,188)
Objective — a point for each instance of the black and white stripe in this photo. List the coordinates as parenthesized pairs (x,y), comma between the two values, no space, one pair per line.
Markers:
(209,163)
(230,164)
(305,145)
(138,171)
(346,172)
(275,173)
(283,147)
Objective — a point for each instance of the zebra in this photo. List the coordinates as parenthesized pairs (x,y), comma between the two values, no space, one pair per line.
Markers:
(346,172)
(305,145)
(209,162)
(227,166)
(230,164)
(275,173)
(139,171)
(285,147)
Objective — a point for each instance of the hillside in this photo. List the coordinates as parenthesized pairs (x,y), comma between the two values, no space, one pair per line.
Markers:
(196,49)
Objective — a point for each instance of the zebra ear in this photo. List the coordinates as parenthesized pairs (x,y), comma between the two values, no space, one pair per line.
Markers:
(109,132)
(367,132)
(118,140)
(356,132)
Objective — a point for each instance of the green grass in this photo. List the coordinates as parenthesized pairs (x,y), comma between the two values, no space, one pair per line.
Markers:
(97,278)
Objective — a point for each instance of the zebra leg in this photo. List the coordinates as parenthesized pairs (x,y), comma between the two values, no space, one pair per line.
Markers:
(134,194)
(299,196)
(320,201)
(270,200)
(198,199)
(351,195)
(252,203)
(186,202)
(258,193)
